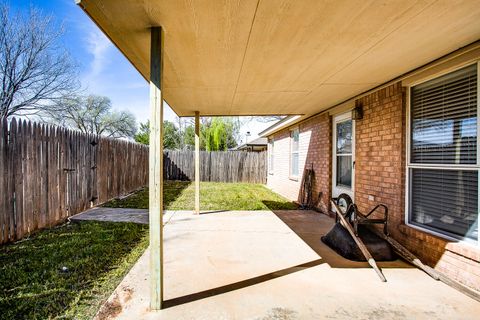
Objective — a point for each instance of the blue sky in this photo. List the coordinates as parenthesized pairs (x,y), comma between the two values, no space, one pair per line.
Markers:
(103,69)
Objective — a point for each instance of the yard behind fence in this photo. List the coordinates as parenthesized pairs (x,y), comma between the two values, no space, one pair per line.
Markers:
(49,173)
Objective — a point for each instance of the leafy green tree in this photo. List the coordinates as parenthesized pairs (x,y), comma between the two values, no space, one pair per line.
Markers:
(189,136)
(143,134)
(216,134)
(220,134)
(171,135)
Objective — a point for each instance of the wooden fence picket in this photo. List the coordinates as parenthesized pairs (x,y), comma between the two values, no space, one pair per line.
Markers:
(4,224)
(219,166)
(51,173)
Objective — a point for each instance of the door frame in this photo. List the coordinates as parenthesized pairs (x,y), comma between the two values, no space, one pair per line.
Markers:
(337,190)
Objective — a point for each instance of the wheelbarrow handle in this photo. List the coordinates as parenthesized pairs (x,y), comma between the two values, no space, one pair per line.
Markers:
(385,210)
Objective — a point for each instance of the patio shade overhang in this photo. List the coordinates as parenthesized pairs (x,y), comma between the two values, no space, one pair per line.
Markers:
(264,57)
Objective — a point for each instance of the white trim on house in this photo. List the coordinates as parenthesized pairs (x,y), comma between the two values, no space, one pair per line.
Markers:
(409,165)
(280,125)
(478,149)
(271,155)
(336,119)
(292,176)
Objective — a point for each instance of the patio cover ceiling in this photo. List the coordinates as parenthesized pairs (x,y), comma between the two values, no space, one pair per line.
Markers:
(262,57)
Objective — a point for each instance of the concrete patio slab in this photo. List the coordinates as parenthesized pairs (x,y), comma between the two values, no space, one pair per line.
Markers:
(272,265)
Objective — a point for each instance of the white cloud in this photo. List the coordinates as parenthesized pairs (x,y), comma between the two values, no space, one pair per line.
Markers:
(108,73)
(99,47)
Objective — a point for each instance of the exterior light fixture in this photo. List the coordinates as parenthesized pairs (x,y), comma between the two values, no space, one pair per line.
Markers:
(357,112)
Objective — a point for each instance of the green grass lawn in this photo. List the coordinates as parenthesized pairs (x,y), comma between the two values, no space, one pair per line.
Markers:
(97,256)
(180,195)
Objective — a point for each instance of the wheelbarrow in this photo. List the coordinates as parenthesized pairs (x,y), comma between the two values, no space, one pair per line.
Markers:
(356,218)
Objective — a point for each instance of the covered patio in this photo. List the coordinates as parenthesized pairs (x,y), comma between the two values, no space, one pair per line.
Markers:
(297,58)
(273,265)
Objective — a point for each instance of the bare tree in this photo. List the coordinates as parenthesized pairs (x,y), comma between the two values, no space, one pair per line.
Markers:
(92,114)
(34,68)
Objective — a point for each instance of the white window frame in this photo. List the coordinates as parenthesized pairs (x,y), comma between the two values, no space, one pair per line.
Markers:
(338,189)
(409,165)
(291,175)
(271,155)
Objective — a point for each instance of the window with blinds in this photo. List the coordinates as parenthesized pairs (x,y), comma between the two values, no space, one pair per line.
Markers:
(443,171)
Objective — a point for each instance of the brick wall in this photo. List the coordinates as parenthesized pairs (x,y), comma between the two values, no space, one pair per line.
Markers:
(380,166)
(380,172)
(314,148)
(380,153)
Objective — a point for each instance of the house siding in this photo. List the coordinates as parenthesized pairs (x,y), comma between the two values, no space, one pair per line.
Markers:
(314,149)
(380,172)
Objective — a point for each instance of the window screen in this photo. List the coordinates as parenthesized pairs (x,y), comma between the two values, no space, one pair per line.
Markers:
(444,133)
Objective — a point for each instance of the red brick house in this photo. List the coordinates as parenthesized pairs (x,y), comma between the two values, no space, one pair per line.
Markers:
(415,147)
(412,145)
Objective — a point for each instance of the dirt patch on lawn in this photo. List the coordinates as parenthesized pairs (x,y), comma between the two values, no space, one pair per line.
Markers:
(114,305)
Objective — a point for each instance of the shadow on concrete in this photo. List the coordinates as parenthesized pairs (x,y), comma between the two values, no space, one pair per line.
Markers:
(310,226)
(239,285)
(213,211)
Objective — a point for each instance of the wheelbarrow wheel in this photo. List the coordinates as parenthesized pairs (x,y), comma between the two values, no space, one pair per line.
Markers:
(343,201)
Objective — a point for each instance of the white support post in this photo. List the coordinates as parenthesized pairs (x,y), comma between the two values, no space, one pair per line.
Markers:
(197,162)
(156,169)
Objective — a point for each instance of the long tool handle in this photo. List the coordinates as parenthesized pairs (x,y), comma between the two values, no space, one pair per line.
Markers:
(360,244)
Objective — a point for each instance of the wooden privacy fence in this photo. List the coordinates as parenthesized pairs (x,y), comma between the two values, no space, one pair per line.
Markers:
(220,166)
(49,173)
